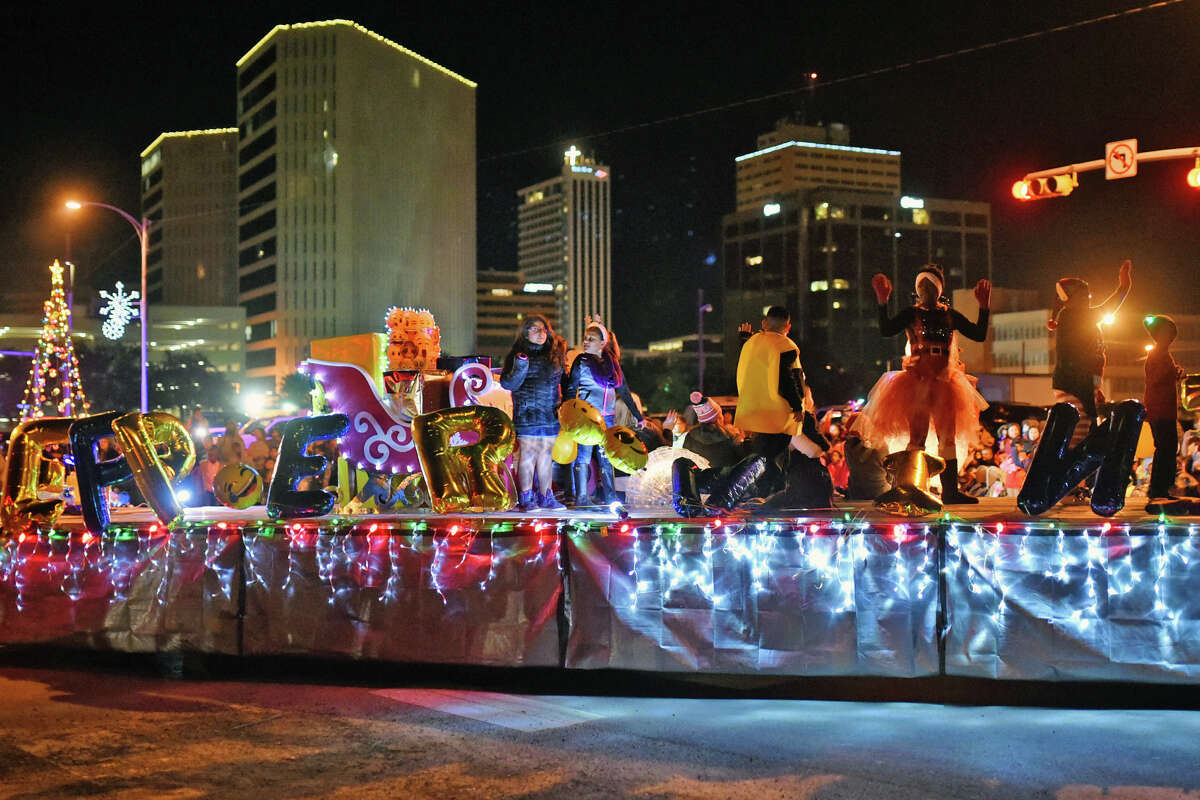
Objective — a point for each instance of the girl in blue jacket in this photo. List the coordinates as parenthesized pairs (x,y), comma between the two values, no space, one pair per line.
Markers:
(596,378)
(533,371)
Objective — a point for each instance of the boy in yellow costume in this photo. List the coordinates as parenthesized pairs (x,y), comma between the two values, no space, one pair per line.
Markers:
(770,384)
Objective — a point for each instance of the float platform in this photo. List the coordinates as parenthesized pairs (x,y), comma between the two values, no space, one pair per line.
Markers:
(982,592)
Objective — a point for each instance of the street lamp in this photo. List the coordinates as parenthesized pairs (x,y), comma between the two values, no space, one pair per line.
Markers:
(143,229)
(702,309)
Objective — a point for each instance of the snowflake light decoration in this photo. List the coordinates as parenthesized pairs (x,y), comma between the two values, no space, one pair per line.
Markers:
(120,309)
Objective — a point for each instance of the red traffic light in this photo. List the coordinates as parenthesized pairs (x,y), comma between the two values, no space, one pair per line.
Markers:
(1041,188)
(1193,176)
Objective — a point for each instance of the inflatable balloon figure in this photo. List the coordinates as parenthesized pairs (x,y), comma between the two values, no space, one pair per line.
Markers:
(414,339)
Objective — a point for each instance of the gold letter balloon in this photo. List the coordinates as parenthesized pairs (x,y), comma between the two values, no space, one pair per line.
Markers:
(138,436)
(462,477)
(21,509)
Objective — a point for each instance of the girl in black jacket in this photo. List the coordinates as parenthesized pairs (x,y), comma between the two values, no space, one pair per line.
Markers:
(533,371)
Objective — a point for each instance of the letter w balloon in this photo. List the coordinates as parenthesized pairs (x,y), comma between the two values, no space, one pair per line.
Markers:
(1108,451)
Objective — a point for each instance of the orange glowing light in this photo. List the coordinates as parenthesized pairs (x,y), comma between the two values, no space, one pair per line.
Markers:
(1020,190)
(1193,177)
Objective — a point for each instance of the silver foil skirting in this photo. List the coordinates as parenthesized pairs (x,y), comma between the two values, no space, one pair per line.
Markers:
(670,598)
(489,599)
(1106,602)
(1076,604)
(140,592)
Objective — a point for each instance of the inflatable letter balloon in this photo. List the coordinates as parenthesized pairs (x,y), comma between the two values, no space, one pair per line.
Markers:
(95,475)
(1116,468)
(462,477)
(20,509)
(284,500)
(1108,451)
(139,436)
(909,472)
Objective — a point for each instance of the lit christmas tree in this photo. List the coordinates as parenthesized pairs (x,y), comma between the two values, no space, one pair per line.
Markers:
(54,378)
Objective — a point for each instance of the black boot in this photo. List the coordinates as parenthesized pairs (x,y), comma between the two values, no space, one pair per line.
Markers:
(951,495)
(606,492)
(740,480)
(685,491)
(579,473)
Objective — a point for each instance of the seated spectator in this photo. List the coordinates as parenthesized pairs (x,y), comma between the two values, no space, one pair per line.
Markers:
(651,434)
(867,478)
(1185,484)
(259,450)
(674,424)
(230,445)
(839,470)
(709,438)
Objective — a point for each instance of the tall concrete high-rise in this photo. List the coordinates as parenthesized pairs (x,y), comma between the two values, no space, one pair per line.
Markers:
(356,180)
(793,157)
(189,194)
(565,240)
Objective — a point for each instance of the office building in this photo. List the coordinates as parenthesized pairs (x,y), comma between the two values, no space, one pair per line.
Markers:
(978,357)
(816,250)
(189,195)
(795,157)
(356,181)
(565,237)
(503,299)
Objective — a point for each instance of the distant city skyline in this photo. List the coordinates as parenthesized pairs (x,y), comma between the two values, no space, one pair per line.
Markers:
(967,125)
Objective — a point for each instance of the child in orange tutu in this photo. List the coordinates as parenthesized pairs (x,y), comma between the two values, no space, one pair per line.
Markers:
(932,385)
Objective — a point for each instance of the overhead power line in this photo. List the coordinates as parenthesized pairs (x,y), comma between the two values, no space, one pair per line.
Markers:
(858,76)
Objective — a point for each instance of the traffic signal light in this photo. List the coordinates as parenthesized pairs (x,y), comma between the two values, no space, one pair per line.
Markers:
(1041,188)
(1193,176)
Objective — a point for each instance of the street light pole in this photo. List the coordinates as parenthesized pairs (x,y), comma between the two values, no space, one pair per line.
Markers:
(702,309)
(142,229)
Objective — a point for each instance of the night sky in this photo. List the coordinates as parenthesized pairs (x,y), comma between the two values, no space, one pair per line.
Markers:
(89,89)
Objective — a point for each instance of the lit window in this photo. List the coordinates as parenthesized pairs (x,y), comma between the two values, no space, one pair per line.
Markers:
(841,283)
(822,211)
(818,286)
(754,261)
(920,216)
(502,292)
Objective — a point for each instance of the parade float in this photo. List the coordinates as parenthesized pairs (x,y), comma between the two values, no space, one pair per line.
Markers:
(418,556)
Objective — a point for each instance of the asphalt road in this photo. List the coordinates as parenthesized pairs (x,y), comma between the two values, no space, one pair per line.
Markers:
(75,725)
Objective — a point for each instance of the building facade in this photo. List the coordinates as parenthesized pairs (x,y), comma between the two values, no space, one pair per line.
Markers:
(1022,345)
(565,240)
(795,157)
(189,196)
(503,299)
(356,182)
(815,252)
